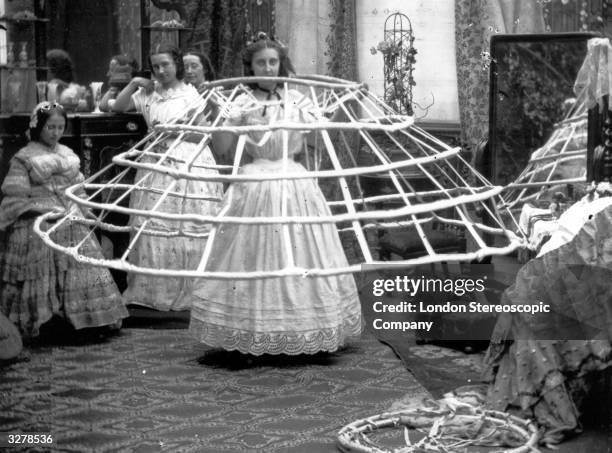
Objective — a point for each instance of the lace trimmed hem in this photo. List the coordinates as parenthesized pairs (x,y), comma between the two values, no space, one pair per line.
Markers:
(289,343)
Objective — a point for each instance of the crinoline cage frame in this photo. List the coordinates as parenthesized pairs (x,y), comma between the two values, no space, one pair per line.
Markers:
(357,218)
(399,58)
(540,180)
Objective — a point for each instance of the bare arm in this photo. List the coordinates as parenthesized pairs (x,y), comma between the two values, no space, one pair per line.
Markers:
(111,93)
(124,101)
(223,143)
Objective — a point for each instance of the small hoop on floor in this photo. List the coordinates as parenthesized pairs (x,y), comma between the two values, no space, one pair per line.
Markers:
(447,425)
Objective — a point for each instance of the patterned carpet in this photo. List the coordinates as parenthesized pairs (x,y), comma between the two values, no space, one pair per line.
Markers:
(150,390)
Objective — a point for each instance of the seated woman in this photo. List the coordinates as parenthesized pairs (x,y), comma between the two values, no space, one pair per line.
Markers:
(36,282)
(541,364)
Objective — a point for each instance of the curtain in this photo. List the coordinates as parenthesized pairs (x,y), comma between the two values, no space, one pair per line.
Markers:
(475,22)
(220,32)
(320,35)
(342,62)
(342,42)
(304,26)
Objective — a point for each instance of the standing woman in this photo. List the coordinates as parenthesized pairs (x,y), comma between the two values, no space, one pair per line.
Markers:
(37,282)
(197,69)
(280,315)
(160,103)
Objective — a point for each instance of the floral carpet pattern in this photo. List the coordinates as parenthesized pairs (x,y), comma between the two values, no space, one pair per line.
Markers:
(158,390)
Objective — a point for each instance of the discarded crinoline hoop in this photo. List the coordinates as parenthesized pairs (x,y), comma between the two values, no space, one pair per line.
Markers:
(447,200)
(440,429)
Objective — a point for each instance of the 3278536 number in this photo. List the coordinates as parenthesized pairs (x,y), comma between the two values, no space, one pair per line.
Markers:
(29,439)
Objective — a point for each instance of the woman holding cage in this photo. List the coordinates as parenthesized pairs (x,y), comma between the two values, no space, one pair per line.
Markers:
(279,314)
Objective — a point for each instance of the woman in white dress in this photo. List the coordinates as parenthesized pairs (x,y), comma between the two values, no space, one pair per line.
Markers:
(160,103)
(280,315)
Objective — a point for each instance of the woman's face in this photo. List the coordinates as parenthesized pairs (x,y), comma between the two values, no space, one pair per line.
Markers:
(265,63)
(53,130)
(194,71)
(164,68)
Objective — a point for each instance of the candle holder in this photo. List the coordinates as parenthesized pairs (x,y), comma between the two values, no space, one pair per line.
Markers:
(10,54)
(96,93)
(41,91)
(23,55)
(14,90)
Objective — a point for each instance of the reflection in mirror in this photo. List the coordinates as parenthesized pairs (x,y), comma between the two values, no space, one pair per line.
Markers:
(538,128)
(532,81)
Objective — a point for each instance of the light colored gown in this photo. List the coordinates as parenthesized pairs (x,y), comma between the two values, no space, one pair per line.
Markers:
(284,315)
(169,293)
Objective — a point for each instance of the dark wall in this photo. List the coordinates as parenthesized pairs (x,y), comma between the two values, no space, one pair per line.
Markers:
(87,30)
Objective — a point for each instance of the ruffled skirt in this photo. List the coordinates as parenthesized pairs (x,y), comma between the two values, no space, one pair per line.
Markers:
(157,252)
(281,315)
(39,282)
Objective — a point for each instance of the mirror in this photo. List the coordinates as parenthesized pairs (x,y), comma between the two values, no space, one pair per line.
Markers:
(532,81)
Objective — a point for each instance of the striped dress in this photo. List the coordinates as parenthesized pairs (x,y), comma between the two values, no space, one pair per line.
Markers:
(37,282)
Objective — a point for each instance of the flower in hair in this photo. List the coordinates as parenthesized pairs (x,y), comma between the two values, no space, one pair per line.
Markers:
(45,105)
(257,37)
(33,120)
(34,115)
(262,35)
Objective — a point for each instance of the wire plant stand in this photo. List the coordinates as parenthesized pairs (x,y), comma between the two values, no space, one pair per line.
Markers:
(399,59)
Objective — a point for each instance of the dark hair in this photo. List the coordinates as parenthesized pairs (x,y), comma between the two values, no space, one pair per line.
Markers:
(124,60)
(120,74)
(209,72)
(177,57)
(60,65)
(264,42)
(42,116)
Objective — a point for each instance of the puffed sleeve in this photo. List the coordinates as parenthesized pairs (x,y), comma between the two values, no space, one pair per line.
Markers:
(17,181)
(42,167)
(140,99)
(69,163)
